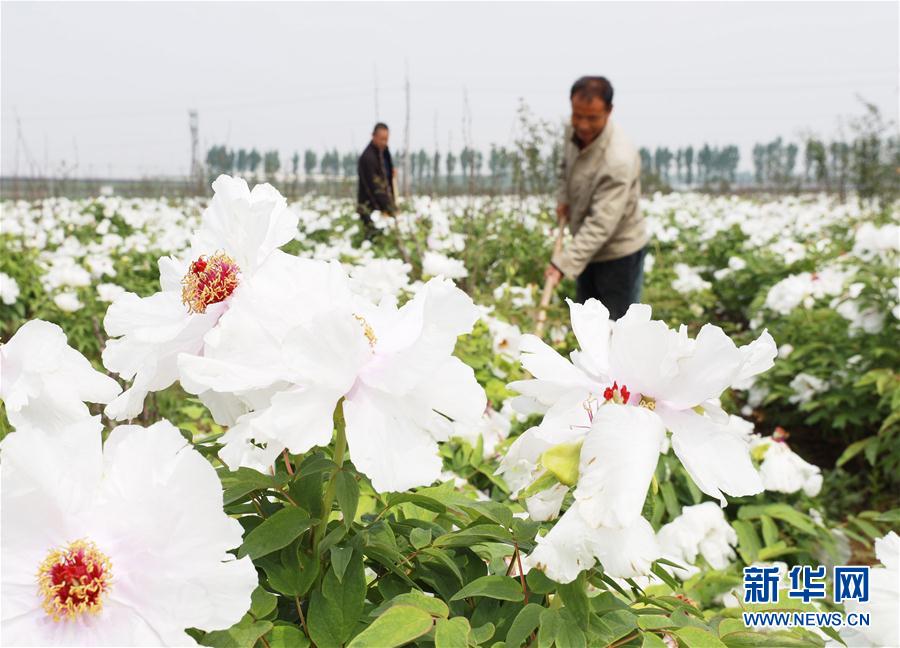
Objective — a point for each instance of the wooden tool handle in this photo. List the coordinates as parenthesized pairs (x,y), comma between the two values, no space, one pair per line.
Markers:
(548,288)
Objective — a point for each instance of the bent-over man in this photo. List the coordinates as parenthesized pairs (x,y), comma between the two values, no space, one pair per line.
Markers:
(598,196)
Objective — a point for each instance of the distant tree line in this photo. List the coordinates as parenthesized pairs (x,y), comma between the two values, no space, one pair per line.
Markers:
(867,161)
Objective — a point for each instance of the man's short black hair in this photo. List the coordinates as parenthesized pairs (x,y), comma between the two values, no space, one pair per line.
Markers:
(378,127)
(593,87)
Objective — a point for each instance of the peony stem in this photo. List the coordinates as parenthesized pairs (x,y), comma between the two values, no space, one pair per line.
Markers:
(340,447)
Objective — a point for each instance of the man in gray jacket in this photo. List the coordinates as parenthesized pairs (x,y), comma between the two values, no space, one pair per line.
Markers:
(599,195)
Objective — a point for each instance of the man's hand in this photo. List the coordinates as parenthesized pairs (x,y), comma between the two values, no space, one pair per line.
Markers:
(553,274)
(562,214)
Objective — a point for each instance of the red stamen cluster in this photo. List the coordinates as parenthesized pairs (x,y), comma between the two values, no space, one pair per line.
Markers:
(617,394)
(209,281)
(74,580)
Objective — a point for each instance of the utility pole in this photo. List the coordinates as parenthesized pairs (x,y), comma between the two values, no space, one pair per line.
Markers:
(193,123)
(407,153)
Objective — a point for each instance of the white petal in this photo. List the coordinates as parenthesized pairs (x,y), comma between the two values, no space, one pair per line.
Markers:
(757,357)
(717,459)
(452,392)
(626,552)
(711,367)
(591,325)
(299,418)
(564,552)
(618,458)
(546,504)
(390,450)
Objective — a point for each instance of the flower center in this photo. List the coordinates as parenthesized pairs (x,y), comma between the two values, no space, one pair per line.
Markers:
(209,281)
(617,394)
(621,396)
(74,580)
(367,330)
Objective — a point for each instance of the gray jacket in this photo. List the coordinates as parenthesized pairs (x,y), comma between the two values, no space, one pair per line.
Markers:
(601,183)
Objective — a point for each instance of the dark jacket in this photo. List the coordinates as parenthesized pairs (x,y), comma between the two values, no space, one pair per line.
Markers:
(375,180)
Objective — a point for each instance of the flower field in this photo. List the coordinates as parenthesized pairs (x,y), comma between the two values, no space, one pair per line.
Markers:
(235,422)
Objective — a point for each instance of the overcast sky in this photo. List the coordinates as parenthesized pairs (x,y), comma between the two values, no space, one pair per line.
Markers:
(109,85)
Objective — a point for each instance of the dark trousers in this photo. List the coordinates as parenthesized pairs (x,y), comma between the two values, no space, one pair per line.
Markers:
(617,283)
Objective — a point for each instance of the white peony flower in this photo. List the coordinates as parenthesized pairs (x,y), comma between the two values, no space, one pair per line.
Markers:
(688,279)
(572,546)
(45,382)
(393,368)
(124,545)
(109,292)
(68,302)
(436,264)
(784,471)
(645,377)
(884,599)
(9,289)
(700,530)
(378,278)
(240,232)
(805,387)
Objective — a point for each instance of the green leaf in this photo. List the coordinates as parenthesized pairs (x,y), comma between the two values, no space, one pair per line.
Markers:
(779,511)
(262,602)
(452,633)
(673,508)
(434,606)
(693,637)
(574,597)
(504,588)
(275,532)
(539,583)
(472,534)
(653,621)
(750,639)
(653,641)
(335,609)
(287,636)
(550,622)
(241,482)
(340,558)
(526,622)
(242,634)
(568,633)
(542,483)
(854,449)
(419,537)
(427,503)
(769,530)
(347,495)
(748,540)
(291,572)
(398,625)
(482,634)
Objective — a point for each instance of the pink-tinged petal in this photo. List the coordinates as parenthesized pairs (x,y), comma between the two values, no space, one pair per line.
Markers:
(618,458)
(717,459)
(300,418)
(391,450)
